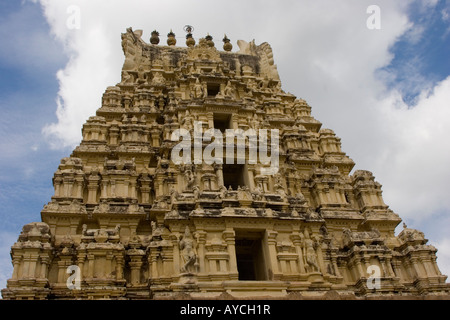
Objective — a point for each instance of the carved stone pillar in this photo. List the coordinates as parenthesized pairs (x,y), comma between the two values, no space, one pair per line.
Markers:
(366,261)
(297,241)
(201,240)
(145,189)
(45,261)
(334,264)
(16,260)
(229,237)
(320,258)
(90,273)
(436,268)
(132,190)
(81,258)
(31,260)
(104,187)
(64,262)
(219,174)
(135,266)
(415,267)
(176,254)
(272,262)
(79,191)
(389,267)
(114,135)
(359,268)
(119,266)
(92,188)
(68,185)
(57,185)
(210,117)
(155,134)
(251,178)
(427,265)
(159,186)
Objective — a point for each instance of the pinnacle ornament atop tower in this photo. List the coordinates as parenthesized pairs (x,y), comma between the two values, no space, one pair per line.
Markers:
(149,205)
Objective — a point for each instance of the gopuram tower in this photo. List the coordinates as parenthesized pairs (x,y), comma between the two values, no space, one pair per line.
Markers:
(129,220)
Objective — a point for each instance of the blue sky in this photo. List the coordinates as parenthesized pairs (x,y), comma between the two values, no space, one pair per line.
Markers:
(405,67)
(422,55)
(28,88)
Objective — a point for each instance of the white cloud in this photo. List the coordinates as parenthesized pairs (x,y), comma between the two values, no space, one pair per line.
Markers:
(415,170)
(324,53)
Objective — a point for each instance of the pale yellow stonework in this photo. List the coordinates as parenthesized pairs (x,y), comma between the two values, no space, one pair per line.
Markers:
(139,226)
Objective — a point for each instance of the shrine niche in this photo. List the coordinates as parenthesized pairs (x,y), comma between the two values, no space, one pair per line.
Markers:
(135,224)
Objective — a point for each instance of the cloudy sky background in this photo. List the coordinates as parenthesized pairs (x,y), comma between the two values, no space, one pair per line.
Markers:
(385,92)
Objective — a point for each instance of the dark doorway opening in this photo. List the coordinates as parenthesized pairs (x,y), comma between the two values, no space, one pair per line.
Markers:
(250,257)
(233,176)
(213,89)
(222,122)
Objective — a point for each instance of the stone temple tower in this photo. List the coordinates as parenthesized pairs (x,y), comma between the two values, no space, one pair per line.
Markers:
(133,219)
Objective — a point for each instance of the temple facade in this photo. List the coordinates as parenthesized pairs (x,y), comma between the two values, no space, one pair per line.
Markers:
(127,221)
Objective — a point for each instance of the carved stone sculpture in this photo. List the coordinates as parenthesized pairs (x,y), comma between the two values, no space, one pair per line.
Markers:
(123,210)
(188,254)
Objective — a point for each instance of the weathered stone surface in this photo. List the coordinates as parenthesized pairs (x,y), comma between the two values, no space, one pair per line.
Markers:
(133,224)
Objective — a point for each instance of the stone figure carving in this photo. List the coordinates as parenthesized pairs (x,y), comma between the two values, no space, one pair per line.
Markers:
(131,50)
(408,234)
(199,90)
(350,236)
(299,195)
(188,254)
(254,122)
(158,78)
(142,75)
(278,185)
(229,91)
(309,248)
(94,232)
(103,207)
(173,195)
(190,179)
(278,181)
(126,77)
(247,47)
(258,193)
(188,121)
(264,51)
(124,172)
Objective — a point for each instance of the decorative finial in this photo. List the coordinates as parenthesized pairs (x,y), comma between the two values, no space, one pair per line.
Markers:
(171,41)
(227,46)
(154,39)
(209,40)
(190,41)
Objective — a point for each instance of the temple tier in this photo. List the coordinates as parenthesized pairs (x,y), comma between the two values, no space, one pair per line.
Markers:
(128,222)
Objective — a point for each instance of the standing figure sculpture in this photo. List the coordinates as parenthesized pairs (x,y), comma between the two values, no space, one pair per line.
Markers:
(309,247)
(188,254)
(190,179)
(199,90)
